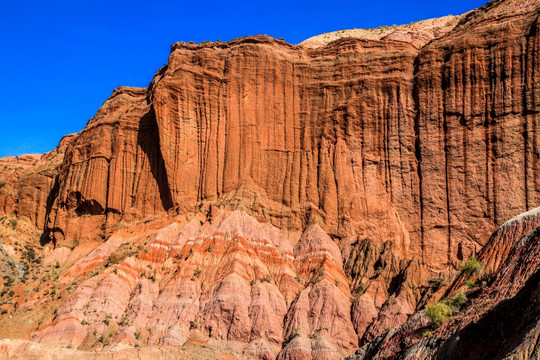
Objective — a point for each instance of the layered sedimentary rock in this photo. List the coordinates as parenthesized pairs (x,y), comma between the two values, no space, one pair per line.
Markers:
(10,349)
(477,126)
(377,138)
(232,279)
(112,171)
(500,321)
(27,184)
(283,201)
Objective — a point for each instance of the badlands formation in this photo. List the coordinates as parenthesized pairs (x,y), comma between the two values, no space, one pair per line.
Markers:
(274,201)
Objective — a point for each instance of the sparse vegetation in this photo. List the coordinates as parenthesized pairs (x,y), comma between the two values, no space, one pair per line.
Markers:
(137,334)
(472,266)
(266,278)
(360,290)
(195,323)
(107,319)
(197,273)
(13,223)
(440,312)
(318,277)
(124,321)
(8,281)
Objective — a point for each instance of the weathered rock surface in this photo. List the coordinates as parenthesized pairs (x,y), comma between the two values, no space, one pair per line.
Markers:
(291,134)
(15,349)
(501,321)
(27,185)
(283,201)
(235,281)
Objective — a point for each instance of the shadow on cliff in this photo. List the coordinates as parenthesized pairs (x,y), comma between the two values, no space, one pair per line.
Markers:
(504,326)
(148,140)
(53,194)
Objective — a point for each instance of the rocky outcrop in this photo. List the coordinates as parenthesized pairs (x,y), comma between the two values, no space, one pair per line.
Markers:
(506,312)
(228,277)
(28,185)
(112,172)
(477,125)
(283,201)
(500,244)
(417,33)
(292,134)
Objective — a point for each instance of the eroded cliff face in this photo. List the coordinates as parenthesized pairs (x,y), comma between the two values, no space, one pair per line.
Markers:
(501,318)
(377,139)
(279,200)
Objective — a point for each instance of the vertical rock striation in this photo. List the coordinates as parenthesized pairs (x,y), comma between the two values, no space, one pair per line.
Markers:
(287,201)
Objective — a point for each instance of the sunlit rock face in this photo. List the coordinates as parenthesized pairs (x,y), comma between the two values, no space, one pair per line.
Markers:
(281,201)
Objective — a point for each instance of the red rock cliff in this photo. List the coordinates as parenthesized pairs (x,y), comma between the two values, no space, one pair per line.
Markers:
(375,138)
(362,171)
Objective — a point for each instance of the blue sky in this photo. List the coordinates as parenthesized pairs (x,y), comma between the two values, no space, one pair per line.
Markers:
(60,60)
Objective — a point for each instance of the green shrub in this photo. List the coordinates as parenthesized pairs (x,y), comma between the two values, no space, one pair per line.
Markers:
(13,223)
(318,277)
(458,300)
(472,266)
(439,313)
(124,321)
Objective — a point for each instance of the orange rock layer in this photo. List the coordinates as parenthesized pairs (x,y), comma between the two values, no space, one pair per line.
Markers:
(282,201)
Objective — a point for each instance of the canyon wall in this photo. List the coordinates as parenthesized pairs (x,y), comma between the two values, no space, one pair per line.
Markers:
(288,201)
(370,138)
